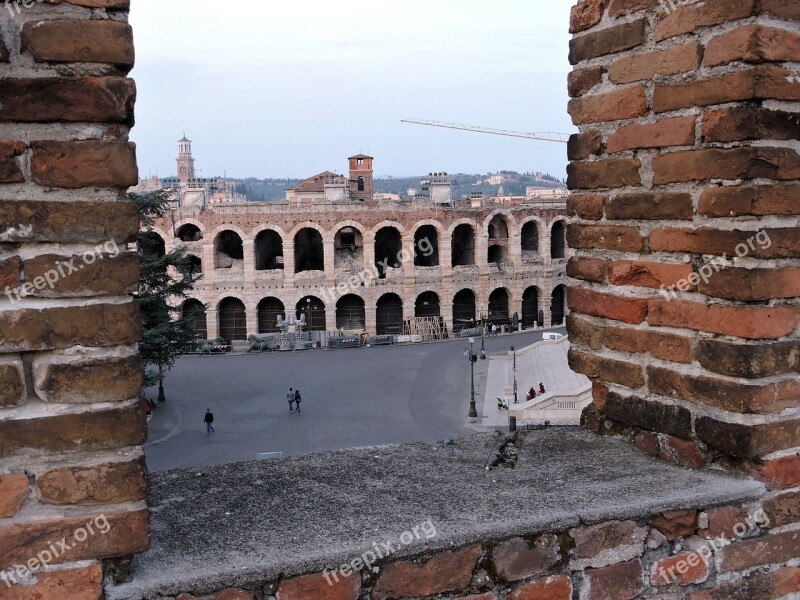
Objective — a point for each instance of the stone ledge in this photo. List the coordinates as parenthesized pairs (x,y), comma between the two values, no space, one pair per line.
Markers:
(240,524)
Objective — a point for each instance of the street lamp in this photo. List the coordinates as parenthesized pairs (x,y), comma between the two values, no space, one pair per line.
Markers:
(483,328)
(514,354)
(471,356)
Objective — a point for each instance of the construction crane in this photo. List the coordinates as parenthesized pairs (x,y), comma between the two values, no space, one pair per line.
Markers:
(548,136)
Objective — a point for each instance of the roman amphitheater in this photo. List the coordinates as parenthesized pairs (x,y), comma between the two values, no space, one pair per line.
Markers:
(356,265)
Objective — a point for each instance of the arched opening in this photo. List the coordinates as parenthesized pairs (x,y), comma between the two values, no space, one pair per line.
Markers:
(388,249)
(558,240)
(269,251)
(194,313)
(530,307)
(464,312)
(314,310)
(195,264)
(348,250)
(463,246)
(557,308)
(427,305)
(426,247)
(351,314)
(228,251)
(530,241)
(152,244)
(309,252)
(189,233)
(361,184)
(498,228)
(389,314)
(232,320)
(497,255)
(269,309)
(498,305)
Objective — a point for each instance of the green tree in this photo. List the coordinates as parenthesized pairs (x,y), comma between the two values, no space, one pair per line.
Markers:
(165,279)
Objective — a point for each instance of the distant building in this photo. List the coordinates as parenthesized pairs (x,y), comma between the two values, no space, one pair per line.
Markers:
(546,193)
(331,187)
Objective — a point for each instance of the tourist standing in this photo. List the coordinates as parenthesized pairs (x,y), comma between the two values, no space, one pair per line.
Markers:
(290,398)
(297,399)
(209,420)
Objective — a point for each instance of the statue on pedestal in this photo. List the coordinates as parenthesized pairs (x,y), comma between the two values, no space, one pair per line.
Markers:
(290,326)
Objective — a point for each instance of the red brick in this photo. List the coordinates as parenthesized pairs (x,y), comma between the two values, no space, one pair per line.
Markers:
(765,550)
(586,14)
(679,131)
(605,237)
(647,442)
(320,585)
(682,452)
(87,381)
(14,491)
(745,322)
(13,388)
(517,558)
(585,206)
(226,594)
(587,269)
(731,163)
(743,200)
(646,274)
(748,441)
(685,568)
(608,41)
(753,43)
(722,520)
(757,586)
(651,415)
(444,572)
(612,106)
(95,273)
(675,523)
(753,285)
(617,8)
(685,19)
(486,596)
(751,361)
(608,173)
(83,583)
(628,310)
(93,41)
(10,171)
(606,369)
(623,581)
(779,473)
(556,587)
(649,206)
(670,61)
(10,272)
(783,509)
(591,540)
(599,394)
(107,483)
(767,243)
(583,145)
(581,81)
(748,123)
(84,164)
(127,533)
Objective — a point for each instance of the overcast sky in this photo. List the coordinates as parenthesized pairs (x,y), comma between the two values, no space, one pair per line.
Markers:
(269,88)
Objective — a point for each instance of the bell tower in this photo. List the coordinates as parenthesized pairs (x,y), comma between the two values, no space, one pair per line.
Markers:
(185,160)
(361,177)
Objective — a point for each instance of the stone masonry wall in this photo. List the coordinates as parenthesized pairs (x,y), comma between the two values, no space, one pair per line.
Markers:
(70,424)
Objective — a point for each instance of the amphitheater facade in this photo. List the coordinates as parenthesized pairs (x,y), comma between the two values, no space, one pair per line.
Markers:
(369,267)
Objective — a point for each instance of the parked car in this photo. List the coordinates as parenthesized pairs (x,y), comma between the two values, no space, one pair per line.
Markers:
(552,336)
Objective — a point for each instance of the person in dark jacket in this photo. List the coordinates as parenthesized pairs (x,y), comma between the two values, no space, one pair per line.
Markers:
(290,398)
(297,399)
(541,388)
(209,420)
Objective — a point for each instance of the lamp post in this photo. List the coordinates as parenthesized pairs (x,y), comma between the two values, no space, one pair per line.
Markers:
(483,329)
(514,354)
(470,354)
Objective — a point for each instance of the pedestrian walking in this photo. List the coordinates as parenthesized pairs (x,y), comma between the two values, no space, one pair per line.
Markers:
(494,330)
(290,398)
(209,420)
(297,399)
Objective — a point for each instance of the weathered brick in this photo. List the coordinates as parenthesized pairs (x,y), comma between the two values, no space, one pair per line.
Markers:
(583,145)
(91,274)
(84,164)
(691,17)
(749,123)
(606,369)
(608,41)
(728,395)
(73,222)
(486,596)
(684,568)
(628,310)
(748,441)
(623,581)
(721,163)
(679,131)
(586,14)
(670,61)
(764,82)
(722,521)
(10,272)
(87,381)
(106,483)
(93,41)
(648,205)
(675,523)
(605,237)
(783,509)
(581,81)
(770,549)
(13,389)
(592,540)
(647,442)
(745,322)
(609,173)
(767,243)
(586,206)
(777,584)
(555,587)
(612,106)
(752,285)
(684,453)
(82,583)
(444,572)
(746,200)
(10,171)
(782,9)
(320,585)
(125,533)
(778,473)
(646,274)
(587,269)
(84,431)
(4,54)
(517,558)
(618,8)
(753,43)
(14,491)
(74,99)
(654,416)
(599,394)
(226,594)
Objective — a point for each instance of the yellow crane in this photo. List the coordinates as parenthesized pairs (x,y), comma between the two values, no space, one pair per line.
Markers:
(547,136)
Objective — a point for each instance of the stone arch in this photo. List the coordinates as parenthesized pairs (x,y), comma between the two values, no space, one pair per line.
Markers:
(510,223)
(314,309)
(426,247)
(389,314)
(465,307)
(558,305)
(268,310)
(232,318)
(388,223)
(189,228)
(194,312)
(268,250)
(558,239)
(531,299)
(500,302)
(348,246)
(428,304)
(309,249)
(463,243)
(351,313)
(229,249)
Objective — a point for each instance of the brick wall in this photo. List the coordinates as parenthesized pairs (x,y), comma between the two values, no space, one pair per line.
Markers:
(684,298)
(70,424)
